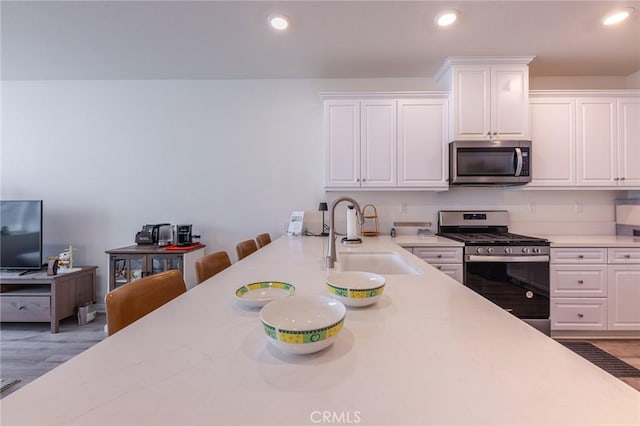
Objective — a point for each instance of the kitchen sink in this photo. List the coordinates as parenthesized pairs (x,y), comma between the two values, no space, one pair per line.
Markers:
(377,262)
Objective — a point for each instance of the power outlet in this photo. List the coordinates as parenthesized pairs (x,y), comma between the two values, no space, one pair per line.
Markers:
(403,207)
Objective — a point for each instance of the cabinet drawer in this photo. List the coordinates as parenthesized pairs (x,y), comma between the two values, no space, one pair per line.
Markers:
(439,254)
(624,255)
(579,281)
(25,308)
(579,314)
(451,269)
(579,255)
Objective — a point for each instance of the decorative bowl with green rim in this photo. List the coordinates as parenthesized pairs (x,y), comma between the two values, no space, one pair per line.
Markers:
(355,288)
(302,324)
(260,293)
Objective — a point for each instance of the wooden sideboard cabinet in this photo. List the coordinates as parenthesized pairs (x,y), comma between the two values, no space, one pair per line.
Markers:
(130,263)
(38,297)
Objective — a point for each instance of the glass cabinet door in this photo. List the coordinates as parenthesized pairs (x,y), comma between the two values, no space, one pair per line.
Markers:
(127,268)
(163,262)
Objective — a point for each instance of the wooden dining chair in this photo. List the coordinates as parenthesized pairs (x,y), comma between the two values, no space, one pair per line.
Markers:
(209,265)
(132,301)
(245,248)
(263,239)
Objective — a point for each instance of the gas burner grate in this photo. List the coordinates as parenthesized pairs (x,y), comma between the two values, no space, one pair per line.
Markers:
(491,238)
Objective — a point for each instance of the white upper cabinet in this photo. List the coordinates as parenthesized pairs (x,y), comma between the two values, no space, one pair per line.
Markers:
(608,141)
(386,142)
(360,143)
(629,141)
(585,139)
(596,141)
(553,136)
(342,143)
(422,143)
(378,143)
(489,97)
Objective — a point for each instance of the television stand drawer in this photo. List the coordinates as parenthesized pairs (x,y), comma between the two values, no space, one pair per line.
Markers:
(17,308)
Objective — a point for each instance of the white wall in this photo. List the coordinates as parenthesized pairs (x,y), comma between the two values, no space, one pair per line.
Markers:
(231,157)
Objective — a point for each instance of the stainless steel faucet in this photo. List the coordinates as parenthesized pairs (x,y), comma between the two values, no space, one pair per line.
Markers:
(331,253)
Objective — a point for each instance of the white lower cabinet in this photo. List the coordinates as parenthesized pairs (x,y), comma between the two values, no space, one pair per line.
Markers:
(447,259)
(595,289)
(578,314)
(624,297)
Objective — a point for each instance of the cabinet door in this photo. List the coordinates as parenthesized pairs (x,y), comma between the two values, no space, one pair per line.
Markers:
(624,297)
(164,262)
(509,101)
(422,143)
(126,268)
(471,102)
(378,143)
(342,143)
(629,141)
(553,138)
(596,141)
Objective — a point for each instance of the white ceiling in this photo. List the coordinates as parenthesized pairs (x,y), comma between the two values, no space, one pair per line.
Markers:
(327,39)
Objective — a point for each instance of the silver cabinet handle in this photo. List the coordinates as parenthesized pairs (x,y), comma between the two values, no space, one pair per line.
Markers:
(627,256)
(580,256)
(580,282)
(21,308)
(580,315)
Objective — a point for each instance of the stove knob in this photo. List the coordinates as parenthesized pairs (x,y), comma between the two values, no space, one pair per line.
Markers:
(507,250)
(489,250)
(479,250)
(536,249)
(525,250)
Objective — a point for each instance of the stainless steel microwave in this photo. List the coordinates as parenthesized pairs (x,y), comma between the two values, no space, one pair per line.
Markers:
(489,162)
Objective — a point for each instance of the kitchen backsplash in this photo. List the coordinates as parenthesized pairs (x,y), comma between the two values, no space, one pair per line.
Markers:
(628,217)
(532,212)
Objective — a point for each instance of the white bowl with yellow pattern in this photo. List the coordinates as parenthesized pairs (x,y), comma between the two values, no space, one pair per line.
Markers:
(355,288)
(302,324)
(260,293)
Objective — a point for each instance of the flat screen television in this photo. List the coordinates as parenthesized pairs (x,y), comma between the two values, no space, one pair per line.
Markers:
(20,234)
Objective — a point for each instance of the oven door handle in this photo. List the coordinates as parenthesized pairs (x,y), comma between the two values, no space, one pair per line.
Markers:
(519,161)
(507,259)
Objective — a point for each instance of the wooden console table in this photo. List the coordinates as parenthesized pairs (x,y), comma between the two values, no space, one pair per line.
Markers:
(38,297)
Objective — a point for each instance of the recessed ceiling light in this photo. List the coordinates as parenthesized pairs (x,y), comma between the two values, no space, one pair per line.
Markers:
(279,22)
(617,16)
(446,17)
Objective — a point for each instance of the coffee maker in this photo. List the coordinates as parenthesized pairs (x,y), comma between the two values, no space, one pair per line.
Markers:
(184,236)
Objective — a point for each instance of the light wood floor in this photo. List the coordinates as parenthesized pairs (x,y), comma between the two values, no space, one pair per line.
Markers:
(29,350)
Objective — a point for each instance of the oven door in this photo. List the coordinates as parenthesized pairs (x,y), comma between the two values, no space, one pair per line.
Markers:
(518,284)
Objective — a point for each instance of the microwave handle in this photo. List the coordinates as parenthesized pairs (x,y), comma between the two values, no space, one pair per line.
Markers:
(518,161)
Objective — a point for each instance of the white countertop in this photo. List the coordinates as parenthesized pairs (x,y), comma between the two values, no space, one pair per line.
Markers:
(592,240)
(430,352)
(425,241)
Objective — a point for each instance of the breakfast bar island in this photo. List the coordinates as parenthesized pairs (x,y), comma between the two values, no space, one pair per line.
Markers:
(429,352)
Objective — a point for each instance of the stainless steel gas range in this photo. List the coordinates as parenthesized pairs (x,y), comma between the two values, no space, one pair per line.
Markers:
(508,269)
